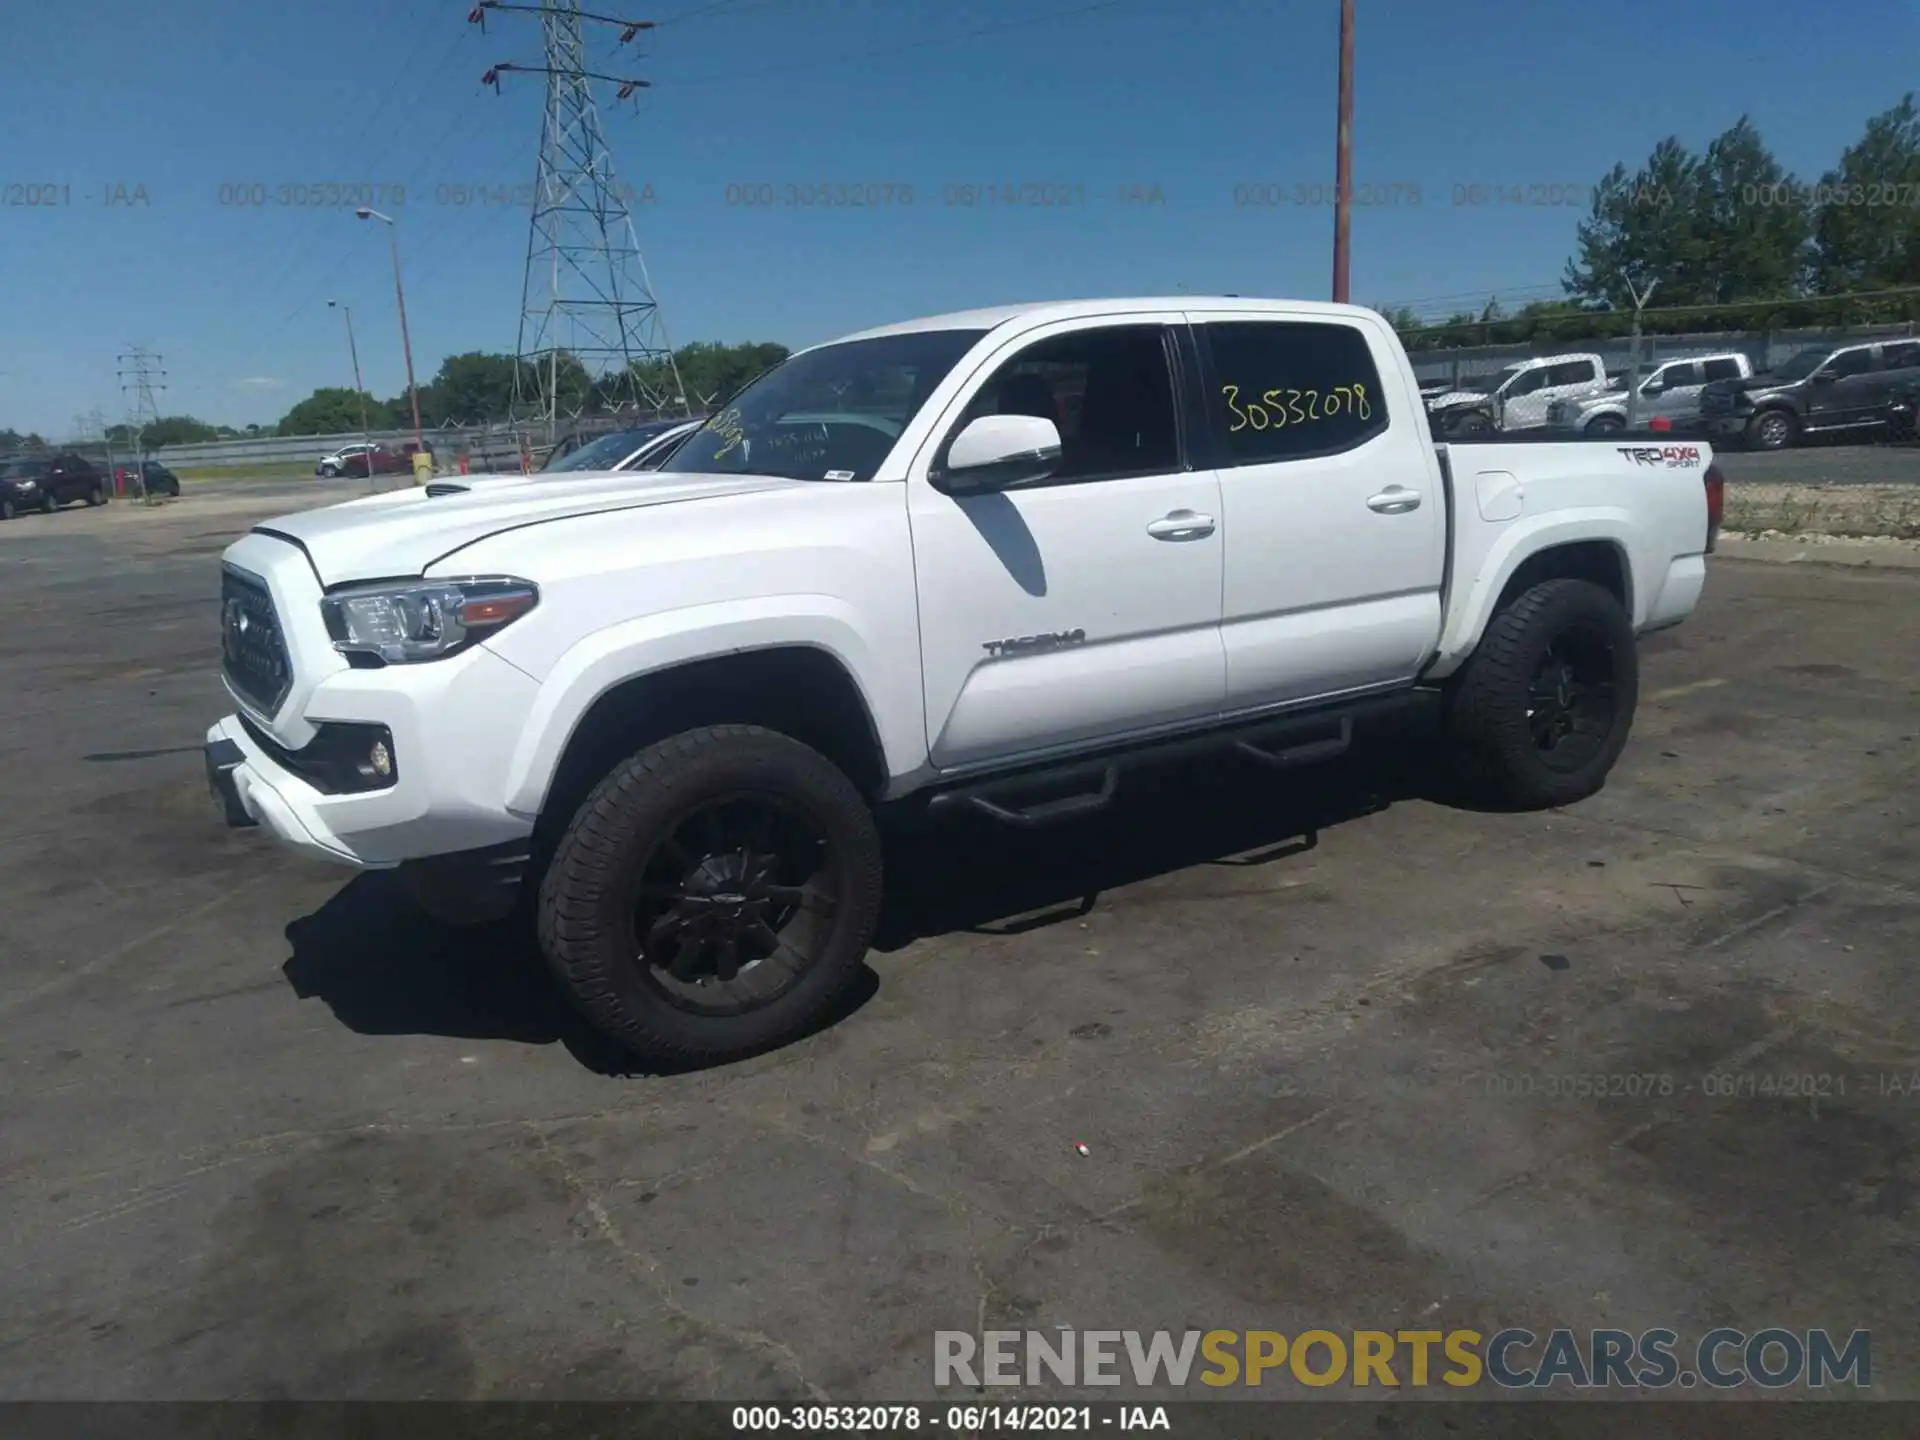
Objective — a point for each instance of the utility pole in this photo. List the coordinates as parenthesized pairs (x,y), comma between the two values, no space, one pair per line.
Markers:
(406,343)
(1343,160)
(586,296)
(366,432)
(1640,298)
(140,376)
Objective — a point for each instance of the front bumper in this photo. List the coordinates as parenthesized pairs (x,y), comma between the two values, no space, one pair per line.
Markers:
(251,790)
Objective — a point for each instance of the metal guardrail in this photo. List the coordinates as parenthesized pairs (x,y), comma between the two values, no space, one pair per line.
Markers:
(491,445)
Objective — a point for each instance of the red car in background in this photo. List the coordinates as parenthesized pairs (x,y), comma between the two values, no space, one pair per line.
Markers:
(367,460)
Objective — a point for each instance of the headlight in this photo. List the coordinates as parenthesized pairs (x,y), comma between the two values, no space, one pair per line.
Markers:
(410,621)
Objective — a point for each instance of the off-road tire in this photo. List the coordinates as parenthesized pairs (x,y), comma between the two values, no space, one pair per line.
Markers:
(1494,754)
(586,937)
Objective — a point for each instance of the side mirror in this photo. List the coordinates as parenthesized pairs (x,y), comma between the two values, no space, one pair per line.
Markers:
(1000,452)
(1823,377)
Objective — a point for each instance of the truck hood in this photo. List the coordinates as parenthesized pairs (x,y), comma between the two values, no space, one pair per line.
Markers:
(402,532)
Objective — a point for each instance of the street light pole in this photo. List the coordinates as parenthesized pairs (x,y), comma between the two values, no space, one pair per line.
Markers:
(406,344)
(1343,159)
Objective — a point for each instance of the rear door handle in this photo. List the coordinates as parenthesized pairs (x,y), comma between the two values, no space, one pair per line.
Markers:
(1182,525)
(1394,500)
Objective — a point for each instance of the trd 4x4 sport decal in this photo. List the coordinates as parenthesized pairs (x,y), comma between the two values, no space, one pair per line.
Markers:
(1682,457)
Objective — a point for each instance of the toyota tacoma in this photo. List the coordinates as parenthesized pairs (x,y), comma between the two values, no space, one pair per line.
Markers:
(988,562)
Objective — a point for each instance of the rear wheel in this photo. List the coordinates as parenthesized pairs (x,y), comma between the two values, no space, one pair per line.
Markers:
(713,896)
(1772,430)
(1605,425)
(1541,711)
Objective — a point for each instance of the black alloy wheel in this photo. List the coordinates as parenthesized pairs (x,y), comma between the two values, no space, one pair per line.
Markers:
(1572,701)
(735,903)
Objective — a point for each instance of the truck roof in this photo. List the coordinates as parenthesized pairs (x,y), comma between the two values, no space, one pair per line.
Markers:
(1044,310)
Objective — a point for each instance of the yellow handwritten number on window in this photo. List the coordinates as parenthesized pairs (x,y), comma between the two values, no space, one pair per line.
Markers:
(1271,411)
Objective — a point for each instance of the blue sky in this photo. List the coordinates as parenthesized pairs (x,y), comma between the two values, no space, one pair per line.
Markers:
(1194,97)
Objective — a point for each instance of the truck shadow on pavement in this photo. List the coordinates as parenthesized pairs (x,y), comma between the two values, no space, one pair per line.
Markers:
(384,968)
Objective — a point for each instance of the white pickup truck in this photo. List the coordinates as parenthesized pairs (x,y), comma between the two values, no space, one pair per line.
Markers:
(988,561)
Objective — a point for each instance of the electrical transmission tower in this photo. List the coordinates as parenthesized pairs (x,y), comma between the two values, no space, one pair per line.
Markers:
(586,300)
(140,376)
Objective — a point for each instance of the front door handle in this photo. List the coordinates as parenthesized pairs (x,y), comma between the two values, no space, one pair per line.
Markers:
(1394,500)
(1182,525)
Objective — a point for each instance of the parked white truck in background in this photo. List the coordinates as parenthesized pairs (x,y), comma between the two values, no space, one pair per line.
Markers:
(1517,397)
(988,561)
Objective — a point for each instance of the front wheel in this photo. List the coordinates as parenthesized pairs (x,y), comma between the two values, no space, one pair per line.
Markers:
(714,896)
(1606,425)
(1474,422)
(7,512)
(329,472)
(47,503)
(1772,430)
(1541,711)
(96,495)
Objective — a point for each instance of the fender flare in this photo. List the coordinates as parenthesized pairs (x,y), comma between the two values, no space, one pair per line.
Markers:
(651,644)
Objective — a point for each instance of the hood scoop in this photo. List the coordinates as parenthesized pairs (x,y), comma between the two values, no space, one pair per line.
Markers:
(443,487)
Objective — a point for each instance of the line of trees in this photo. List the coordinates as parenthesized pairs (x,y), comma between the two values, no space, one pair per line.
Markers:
(469,389)
(477,387)
(1733,241)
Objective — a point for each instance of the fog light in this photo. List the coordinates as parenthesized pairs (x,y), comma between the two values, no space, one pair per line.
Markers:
(381,760)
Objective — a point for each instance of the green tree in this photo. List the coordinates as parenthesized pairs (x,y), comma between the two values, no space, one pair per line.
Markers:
(1643,227)
(1866,223)
(468,389)
(712,371)
(1752,220)
(177,430)
(333,410)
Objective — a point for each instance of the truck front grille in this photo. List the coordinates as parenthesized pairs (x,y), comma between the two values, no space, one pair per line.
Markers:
(253,652)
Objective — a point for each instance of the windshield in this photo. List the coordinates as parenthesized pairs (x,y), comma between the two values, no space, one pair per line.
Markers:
(1803,364)
(20,469)
(830,413)
(604,453)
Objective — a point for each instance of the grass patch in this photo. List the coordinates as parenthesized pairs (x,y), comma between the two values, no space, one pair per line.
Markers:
(1852,511)
(259,470)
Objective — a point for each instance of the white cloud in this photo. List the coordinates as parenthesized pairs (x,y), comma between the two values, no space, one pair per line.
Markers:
(261,382)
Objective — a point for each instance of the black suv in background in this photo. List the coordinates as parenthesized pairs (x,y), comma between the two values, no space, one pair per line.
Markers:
(1823,390)
(46,482)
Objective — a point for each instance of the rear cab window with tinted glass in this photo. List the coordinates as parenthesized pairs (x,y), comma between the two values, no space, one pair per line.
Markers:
(1291,390)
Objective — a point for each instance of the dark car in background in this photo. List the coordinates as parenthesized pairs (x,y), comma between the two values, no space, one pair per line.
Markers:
(149,477)
(46,482)
(366,460)
(1825,389)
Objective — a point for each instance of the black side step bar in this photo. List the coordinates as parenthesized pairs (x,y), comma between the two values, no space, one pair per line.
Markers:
(1030,798)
